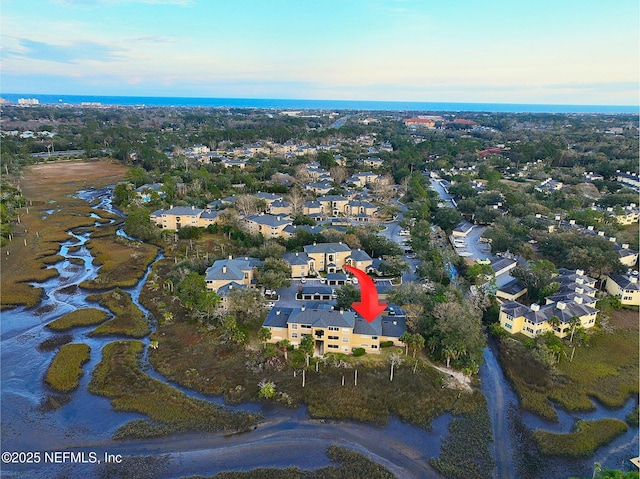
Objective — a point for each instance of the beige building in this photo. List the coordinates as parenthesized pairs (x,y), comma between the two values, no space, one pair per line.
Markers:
(180,216)
(625,287)
(328,257)
(238,271)
(333,331)
(333,205)
(575,299)
(267,225)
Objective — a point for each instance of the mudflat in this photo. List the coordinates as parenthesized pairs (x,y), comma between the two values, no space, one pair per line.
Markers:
(51,210)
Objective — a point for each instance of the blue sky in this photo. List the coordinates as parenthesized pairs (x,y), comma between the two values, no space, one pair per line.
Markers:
(506,51)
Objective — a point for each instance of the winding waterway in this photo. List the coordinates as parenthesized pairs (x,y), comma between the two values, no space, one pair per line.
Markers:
(86,423)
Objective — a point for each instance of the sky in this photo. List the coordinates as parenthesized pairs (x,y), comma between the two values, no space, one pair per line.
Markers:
(574,52)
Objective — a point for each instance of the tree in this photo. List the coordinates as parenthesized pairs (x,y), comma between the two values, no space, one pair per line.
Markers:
(267,389)
(574,322)
(138,224)
(264,335)
(346,296)
(406,338)
(417,343)
(193,293)
(246,305)
(535,276)
(414,312)
(447,218)
(394,266)
(284,345)
(448,352)
(230,332)
(394,360)
(307,345)
(478,273)
(274,274)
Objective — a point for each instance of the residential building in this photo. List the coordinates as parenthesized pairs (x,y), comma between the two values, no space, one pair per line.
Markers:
(574,299)
(333,331)
(333,205)
(240,271)
(549,186)
(178,217)
(145,192)
(625,287)
(328,257)
(280,207)
(269,226)
(628,179)
(359,259)
(301,264)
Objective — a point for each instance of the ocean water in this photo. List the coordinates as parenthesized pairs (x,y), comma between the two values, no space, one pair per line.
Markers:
(301,104)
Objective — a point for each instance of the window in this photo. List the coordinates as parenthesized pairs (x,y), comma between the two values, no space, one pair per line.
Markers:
(294,335)
(333,346)
(334,338)
(345,340)
(333,328)
(364,346)
(508,326)
(374,346)
(374,337)
(305,326)
(346,330)
(294,326)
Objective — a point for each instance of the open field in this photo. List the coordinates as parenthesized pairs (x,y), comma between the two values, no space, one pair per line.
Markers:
(119,377)
(78,318)
(66,369)
(606,369)
(51,211)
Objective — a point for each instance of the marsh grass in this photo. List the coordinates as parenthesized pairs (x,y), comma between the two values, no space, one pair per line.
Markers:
(465,451)
(118,377)
(55,182)
(193,357)
(78,318)
(605,369)
(66,368)
(128,320)
(122,262)
(350,465)
(583,441)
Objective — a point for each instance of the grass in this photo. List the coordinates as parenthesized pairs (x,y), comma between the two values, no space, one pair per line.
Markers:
(193,357)
(80,317)
(119,378)
(122,262)
(351,465)
(583,441)
(46,187)
(66,369)
(605,369)
(128,320)
(465,451)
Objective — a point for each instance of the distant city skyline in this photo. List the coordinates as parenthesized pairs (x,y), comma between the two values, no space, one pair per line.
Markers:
(503,51)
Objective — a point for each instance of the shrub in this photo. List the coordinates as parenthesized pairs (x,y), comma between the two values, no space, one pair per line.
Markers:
(359,352)
(583,441)
(386,344)
(66,369)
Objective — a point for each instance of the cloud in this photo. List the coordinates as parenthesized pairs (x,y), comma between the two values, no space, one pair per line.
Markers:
(70,53)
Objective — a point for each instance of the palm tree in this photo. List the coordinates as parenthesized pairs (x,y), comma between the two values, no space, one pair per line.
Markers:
(264,335)
(406,338)
(417,343)
(554,322)
(574,322)
(448,352)
(306,345)
(284,346)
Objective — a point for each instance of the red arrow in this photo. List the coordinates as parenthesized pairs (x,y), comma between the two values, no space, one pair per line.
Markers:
(368,307)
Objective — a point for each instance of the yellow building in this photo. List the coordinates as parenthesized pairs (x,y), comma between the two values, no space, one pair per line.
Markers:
(270,226)
(328,257)
(333,331)
(575,299)
(625,287)
(180,216)
(226,271)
